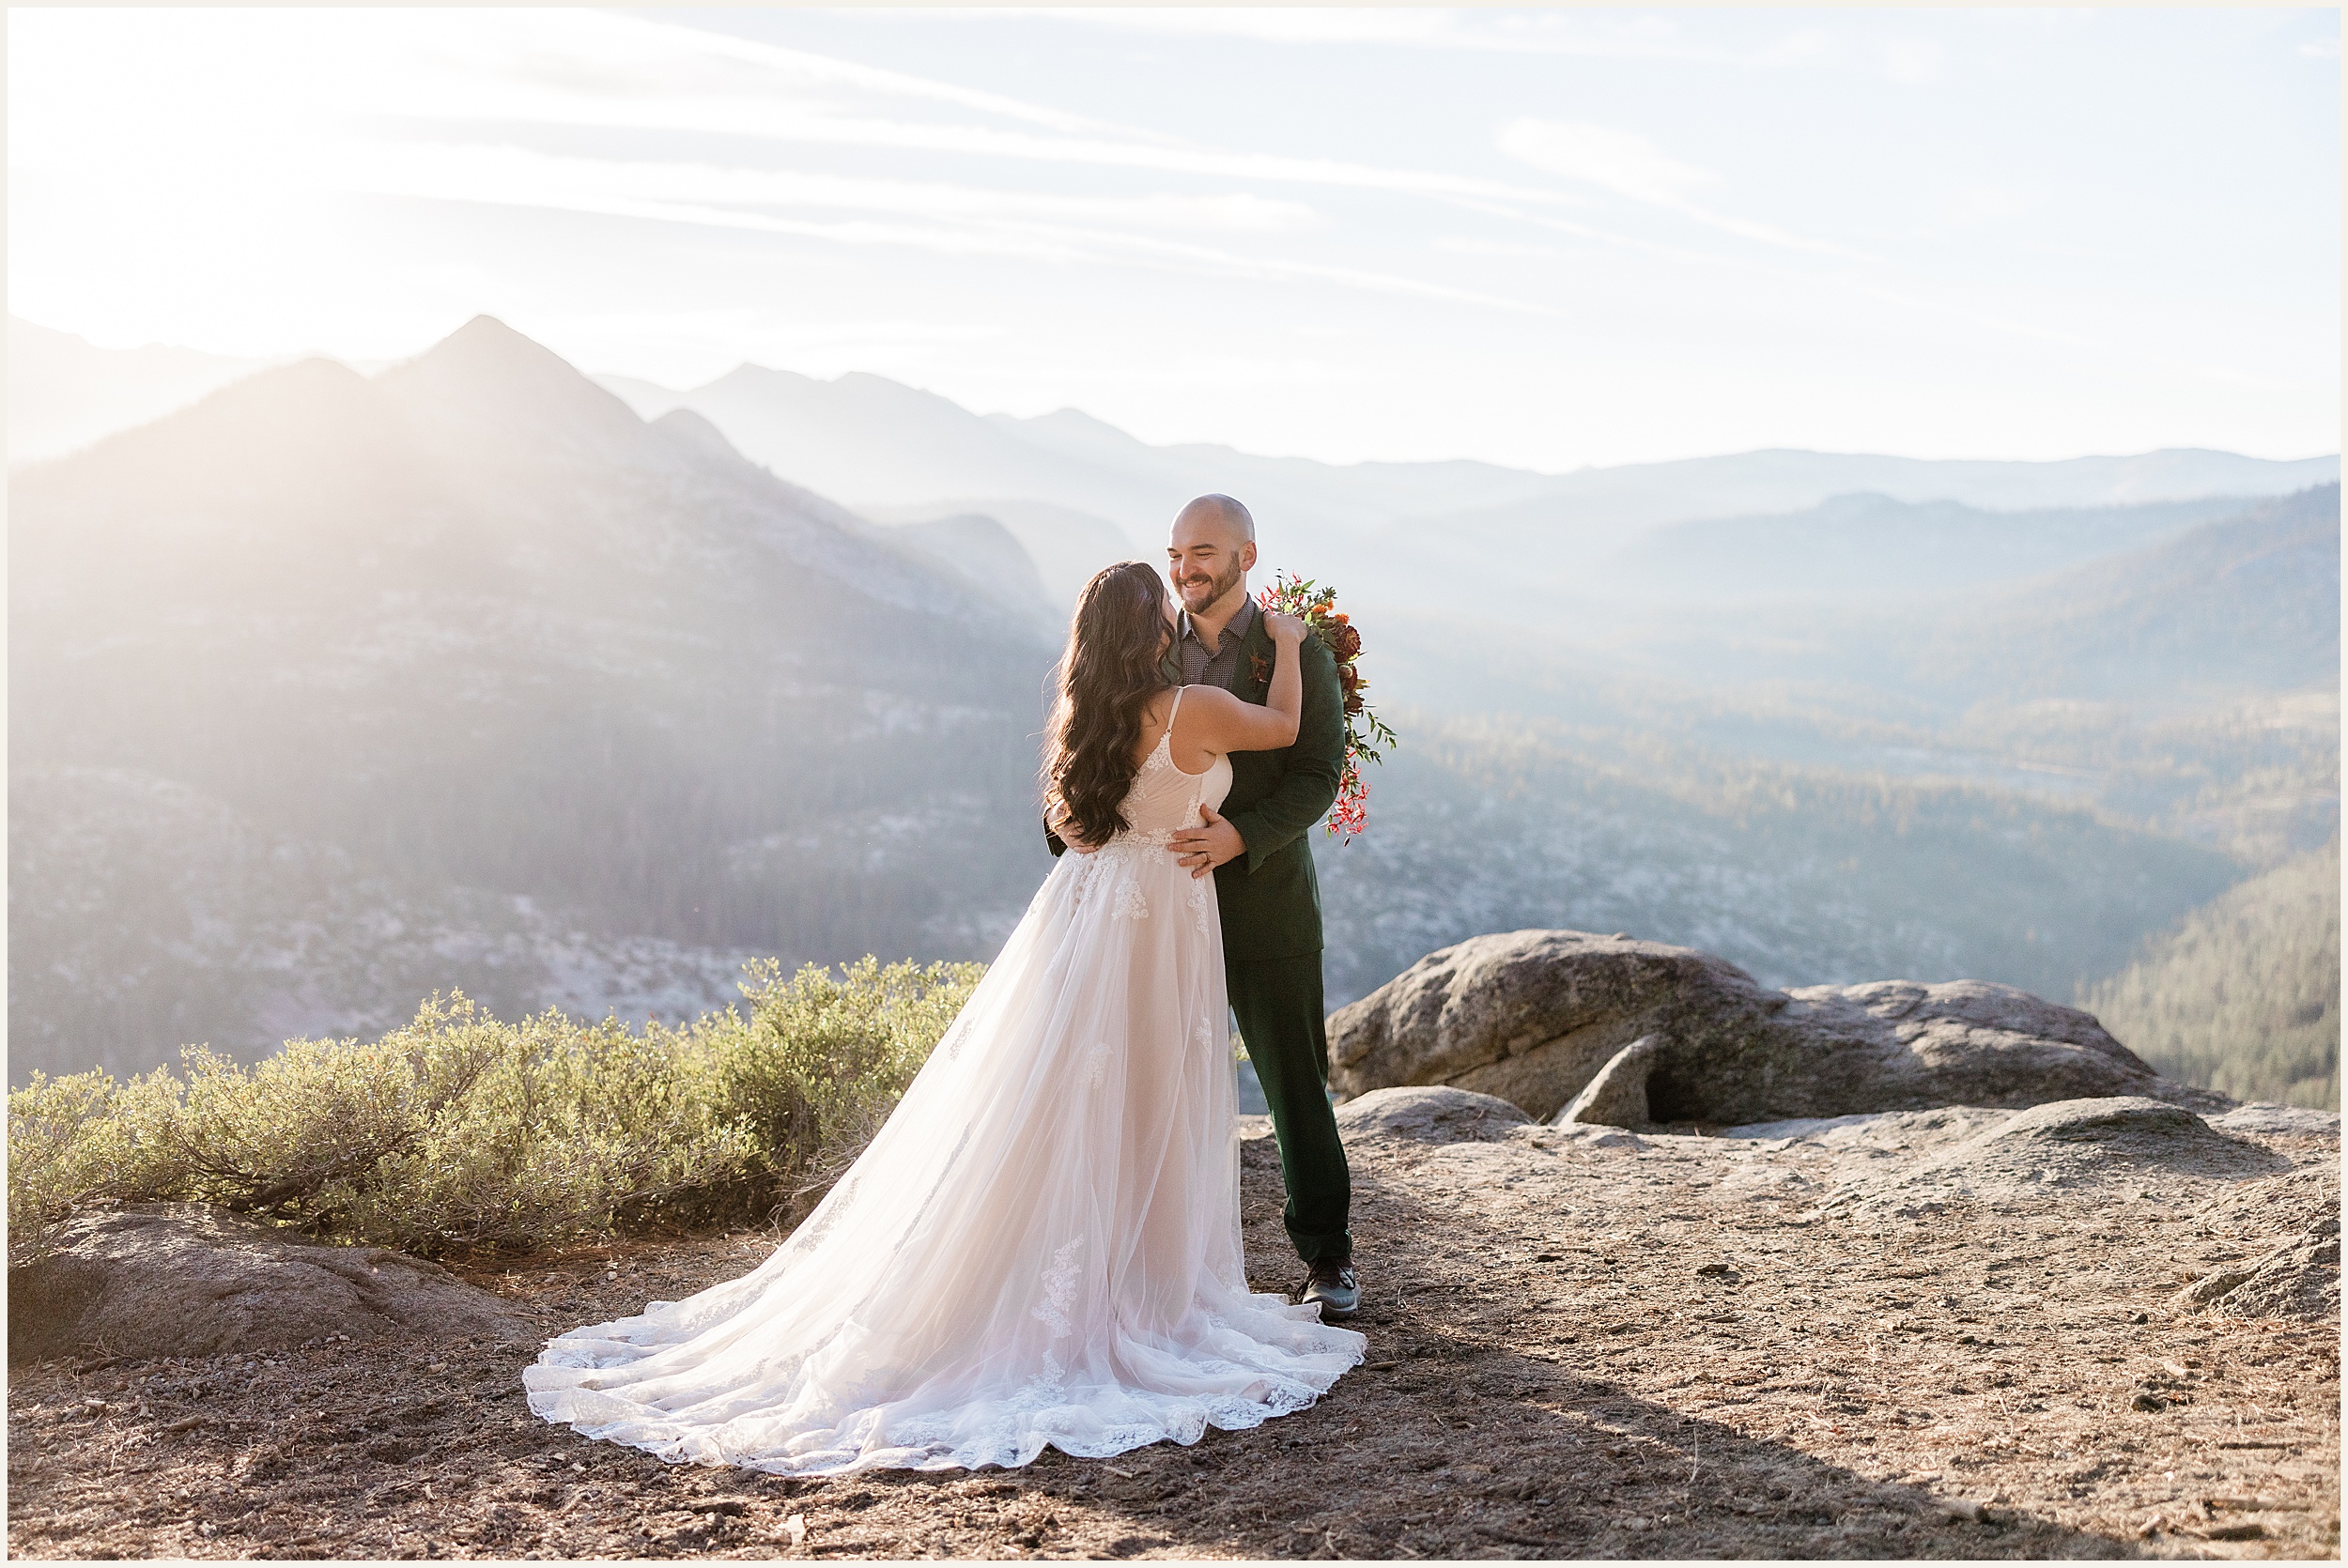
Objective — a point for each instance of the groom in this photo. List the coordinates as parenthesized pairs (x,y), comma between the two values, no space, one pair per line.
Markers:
(1263,877)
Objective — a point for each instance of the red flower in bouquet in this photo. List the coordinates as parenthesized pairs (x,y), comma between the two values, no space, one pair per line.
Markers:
(1366,735)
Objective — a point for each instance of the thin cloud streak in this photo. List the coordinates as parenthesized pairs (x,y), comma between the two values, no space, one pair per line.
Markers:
(518,179)
(1647,38)
(541,91)
(537,90)
(1634,167)
(752,120)
(413,168)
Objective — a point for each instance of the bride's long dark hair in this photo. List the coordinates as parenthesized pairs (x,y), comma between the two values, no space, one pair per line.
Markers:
(1108,674)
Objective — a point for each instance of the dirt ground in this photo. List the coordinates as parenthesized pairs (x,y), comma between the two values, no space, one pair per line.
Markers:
(1578,1348)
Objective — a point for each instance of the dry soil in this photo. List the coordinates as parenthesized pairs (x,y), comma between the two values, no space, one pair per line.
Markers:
(1579,1346)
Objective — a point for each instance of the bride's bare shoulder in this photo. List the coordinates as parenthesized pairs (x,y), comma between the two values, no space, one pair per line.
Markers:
(1204,704)
(1204,698)
(1203,725)
(1154,715)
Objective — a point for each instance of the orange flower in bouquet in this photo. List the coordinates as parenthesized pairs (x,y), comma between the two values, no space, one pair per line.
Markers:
(1367,736)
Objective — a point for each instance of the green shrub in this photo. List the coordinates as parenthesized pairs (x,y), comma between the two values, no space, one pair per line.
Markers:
(66,1147)
(462,1133)
(816,1069)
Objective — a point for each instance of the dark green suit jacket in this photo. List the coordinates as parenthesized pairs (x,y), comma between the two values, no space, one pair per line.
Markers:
(1269,896)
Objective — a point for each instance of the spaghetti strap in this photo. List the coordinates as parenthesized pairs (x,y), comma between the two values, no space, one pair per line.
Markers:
(1166,742)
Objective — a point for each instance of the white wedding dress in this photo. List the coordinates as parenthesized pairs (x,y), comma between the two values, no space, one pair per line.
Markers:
(1041,1246)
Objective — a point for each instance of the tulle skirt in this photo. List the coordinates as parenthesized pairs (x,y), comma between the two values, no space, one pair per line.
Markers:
(1041,1246)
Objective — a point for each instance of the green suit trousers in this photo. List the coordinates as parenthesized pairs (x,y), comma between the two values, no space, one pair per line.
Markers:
(1279,1004)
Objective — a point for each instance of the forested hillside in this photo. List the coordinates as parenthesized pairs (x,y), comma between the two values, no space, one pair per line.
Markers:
(1804,875)
(2243,994)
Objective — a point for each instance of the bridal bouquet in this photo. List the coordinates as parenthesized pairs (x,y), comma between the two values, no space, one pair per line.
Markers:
(1366,735)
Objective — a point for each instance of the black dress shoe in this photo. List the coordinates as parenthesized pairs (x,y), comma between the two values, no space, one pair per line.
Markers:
(1332,1286)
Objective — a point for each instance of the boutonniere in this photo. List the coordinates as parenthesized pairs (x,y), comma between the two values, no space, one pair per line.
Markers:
(1259,669)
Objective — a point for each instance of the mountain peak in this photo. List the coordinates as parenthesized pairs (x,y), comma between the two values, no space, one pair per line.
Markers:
(751,376)
(492,374)
(484,342)
(1073,432)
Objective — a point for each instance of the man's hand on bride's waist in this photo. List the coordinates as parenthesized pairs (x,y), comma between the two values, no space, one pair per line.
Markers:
(1203,848)
(1068,840)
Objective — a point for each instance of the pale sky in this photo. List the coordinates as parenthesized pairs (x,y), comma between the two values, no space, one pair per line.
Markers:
(1547,238)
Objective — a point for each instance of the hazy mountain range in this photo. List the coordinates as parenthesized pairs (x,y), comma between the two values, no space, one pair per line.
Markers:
(65,393)
(2171,613)
(465,633)
(1494,533)
(1078,493)
(331,689)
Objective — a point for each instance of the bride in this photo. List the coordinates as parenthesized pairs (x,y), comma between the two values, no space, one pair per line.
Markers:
(1042,1243)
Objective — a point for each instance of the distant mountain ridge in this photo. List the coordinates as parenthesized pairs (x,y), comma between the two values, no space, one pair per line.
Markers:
(2243,600)
(1517,534)
(885,448)
(2174,616)
(1066,547)
(66,393)
(1869,543)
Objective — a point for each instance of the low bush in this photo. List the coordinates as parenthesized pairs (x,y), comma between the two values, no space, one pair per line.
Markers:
(460,1132)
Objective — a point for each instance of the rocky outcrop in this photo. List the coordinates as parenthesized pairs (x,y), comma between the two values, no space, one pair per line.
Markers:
(2064,1144)
(185,1280)
(2280,1121)
(1440,1115)
(2300,1280)
(1617,1096)
(2065,1138)
(1533,1016)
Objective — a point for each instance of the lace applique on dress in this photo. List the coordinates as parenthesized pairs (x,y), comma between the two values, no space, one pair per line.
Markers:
(819,1224)
(1059,1289)
(1096,1065)
(1132,905)
(1047,1385)
(872,1389)
(1199,906)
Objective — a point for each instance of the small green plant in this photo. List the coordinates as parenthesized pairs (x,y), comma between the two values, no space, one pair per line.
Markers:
(460,1132)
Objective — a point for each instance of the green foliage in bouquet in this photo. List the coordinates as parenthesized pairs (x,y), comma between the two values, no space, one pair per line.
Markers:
(1367,736)
(462,1133)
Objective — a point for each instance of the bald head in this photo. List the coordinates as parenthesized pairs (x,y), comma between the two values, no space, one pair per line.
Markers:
(1219,512)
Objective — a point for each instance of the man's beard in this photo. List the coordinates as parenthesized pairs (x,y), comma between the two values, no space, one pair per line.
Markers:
(1195,599)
